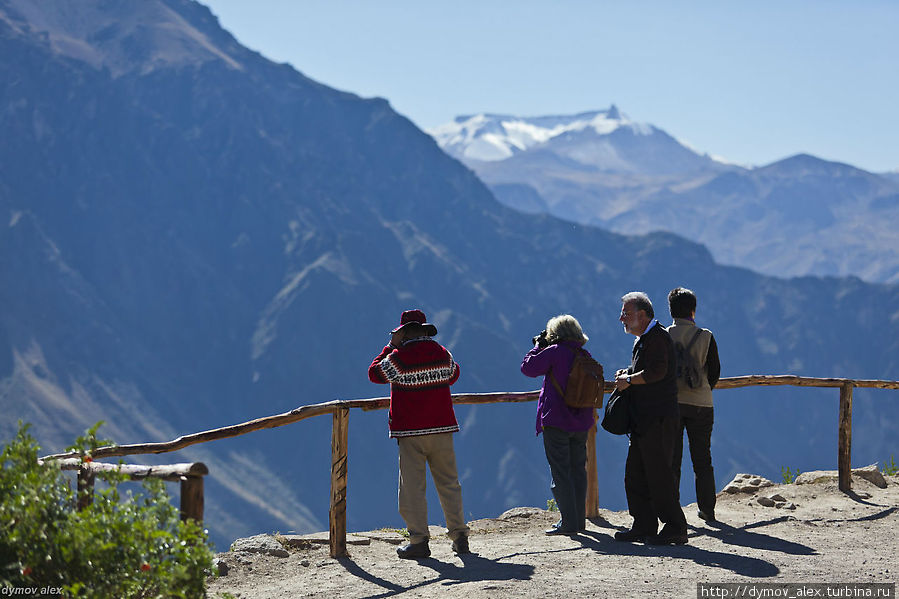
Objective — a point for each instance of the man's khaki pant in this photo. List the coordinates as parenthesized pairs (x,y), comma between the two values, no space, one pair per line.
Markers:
(437,451)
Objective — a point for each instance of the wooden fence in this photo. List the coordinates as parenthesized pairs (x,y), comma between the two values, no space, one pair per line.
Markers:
(340,415)
(190,475)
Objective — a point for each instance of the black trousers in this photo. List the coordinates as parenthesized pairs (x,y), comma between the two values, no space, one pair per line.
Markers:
(697,421)
(649,480)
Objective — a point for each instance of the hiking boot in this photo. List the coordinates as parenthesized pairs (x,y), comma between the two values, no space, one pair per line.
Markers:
(460,545)
(556,529)
(631,536)
(414,550)
(708,517)
(668,537)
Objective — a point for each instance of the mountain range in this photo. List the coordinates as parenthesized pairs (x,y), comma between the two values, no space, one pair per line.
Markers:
(798,216)
(194,236)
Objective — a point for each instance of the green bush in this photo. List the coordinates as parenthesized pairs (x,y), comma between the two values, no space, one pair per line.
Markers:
(119,546)
(890,468)
(789,475)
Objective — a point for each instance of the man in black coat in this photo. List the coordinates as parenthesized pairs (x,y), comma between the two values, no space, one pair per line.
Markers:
(652,386)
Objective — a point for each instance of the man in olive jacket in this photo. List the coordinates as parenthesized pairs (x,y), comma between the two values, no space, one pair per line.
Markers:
(694,396)
(652,387)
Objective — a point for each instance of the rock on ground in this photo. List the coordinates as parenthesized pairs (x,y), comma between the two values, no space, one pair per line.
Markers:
(870,473)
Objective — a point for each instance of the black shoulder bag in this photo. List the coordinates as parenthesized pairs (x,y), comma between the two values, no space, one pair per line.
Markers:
(617,416)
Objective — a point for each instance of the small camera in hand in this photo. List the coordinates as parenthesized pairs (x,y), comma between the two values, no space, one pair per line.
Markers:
(540,340)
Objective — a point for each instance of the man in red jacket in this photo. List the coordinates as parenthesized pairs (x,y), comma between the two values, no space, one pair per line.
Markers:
(420,372)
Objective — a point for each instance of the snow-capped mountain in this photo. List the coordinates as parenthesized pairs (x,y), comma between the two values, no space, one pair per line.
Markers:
(601,168)
(498,136)
(605,140)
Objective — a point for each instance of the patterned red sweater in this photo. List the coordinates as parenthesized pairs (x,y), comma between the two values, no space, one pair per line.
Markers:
(420,374)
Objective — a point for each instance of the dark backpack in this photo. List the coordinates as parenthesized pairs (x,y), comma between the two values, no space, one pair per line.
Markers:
(687,369)
(585,383)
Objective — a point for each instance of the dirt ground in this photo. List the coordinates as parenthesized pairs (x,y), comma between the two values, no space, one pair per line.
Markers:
(829,537)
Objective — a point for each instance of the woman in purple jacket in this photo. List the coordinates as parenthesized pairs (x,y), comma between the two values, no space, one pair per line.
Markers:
(564,429)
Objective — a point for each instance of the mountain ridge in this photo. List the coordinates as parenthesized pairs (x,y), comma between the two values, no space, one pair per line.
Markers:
(117,38)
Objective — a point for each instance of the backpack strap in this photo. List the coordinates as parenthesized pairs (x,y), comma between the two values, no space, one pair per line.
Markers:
(553,379)
(556,383)
(693,340)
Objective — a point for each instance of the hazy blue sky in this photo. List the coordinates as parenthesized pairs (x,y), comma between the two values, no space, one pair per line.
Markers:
(752,82)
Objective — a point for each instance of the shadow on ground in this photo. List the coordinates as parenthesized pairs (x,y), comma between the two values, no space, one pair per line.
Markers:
(474,568)
(744,537)
(752,567)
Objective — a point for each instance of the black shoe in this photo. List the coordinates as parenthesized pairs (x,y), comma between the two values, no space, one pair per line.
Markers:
(666,537)
(556,529)
(414,550)
(708,517)
(460,545)
(630,536)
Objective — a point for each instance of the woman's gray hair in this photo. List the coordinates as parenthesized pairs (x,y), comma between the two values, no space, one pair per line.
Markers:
(565,327)
(640,301)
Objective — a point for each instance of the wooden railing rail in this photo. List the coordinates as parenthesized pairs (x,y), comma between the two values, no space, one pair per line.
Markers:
(340,409)
(190,475)
(295,415)
(800,381)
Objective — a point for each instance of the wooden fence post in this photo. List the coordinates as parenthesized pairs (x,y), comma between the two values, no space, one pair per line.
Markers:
(86,478)
(192,501)
(592,474)
(337,514)
(844,449)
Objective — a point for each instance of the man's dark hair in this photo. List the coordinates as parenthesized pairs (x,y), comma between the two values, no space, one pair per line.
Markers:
(681,302)
(640,301)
